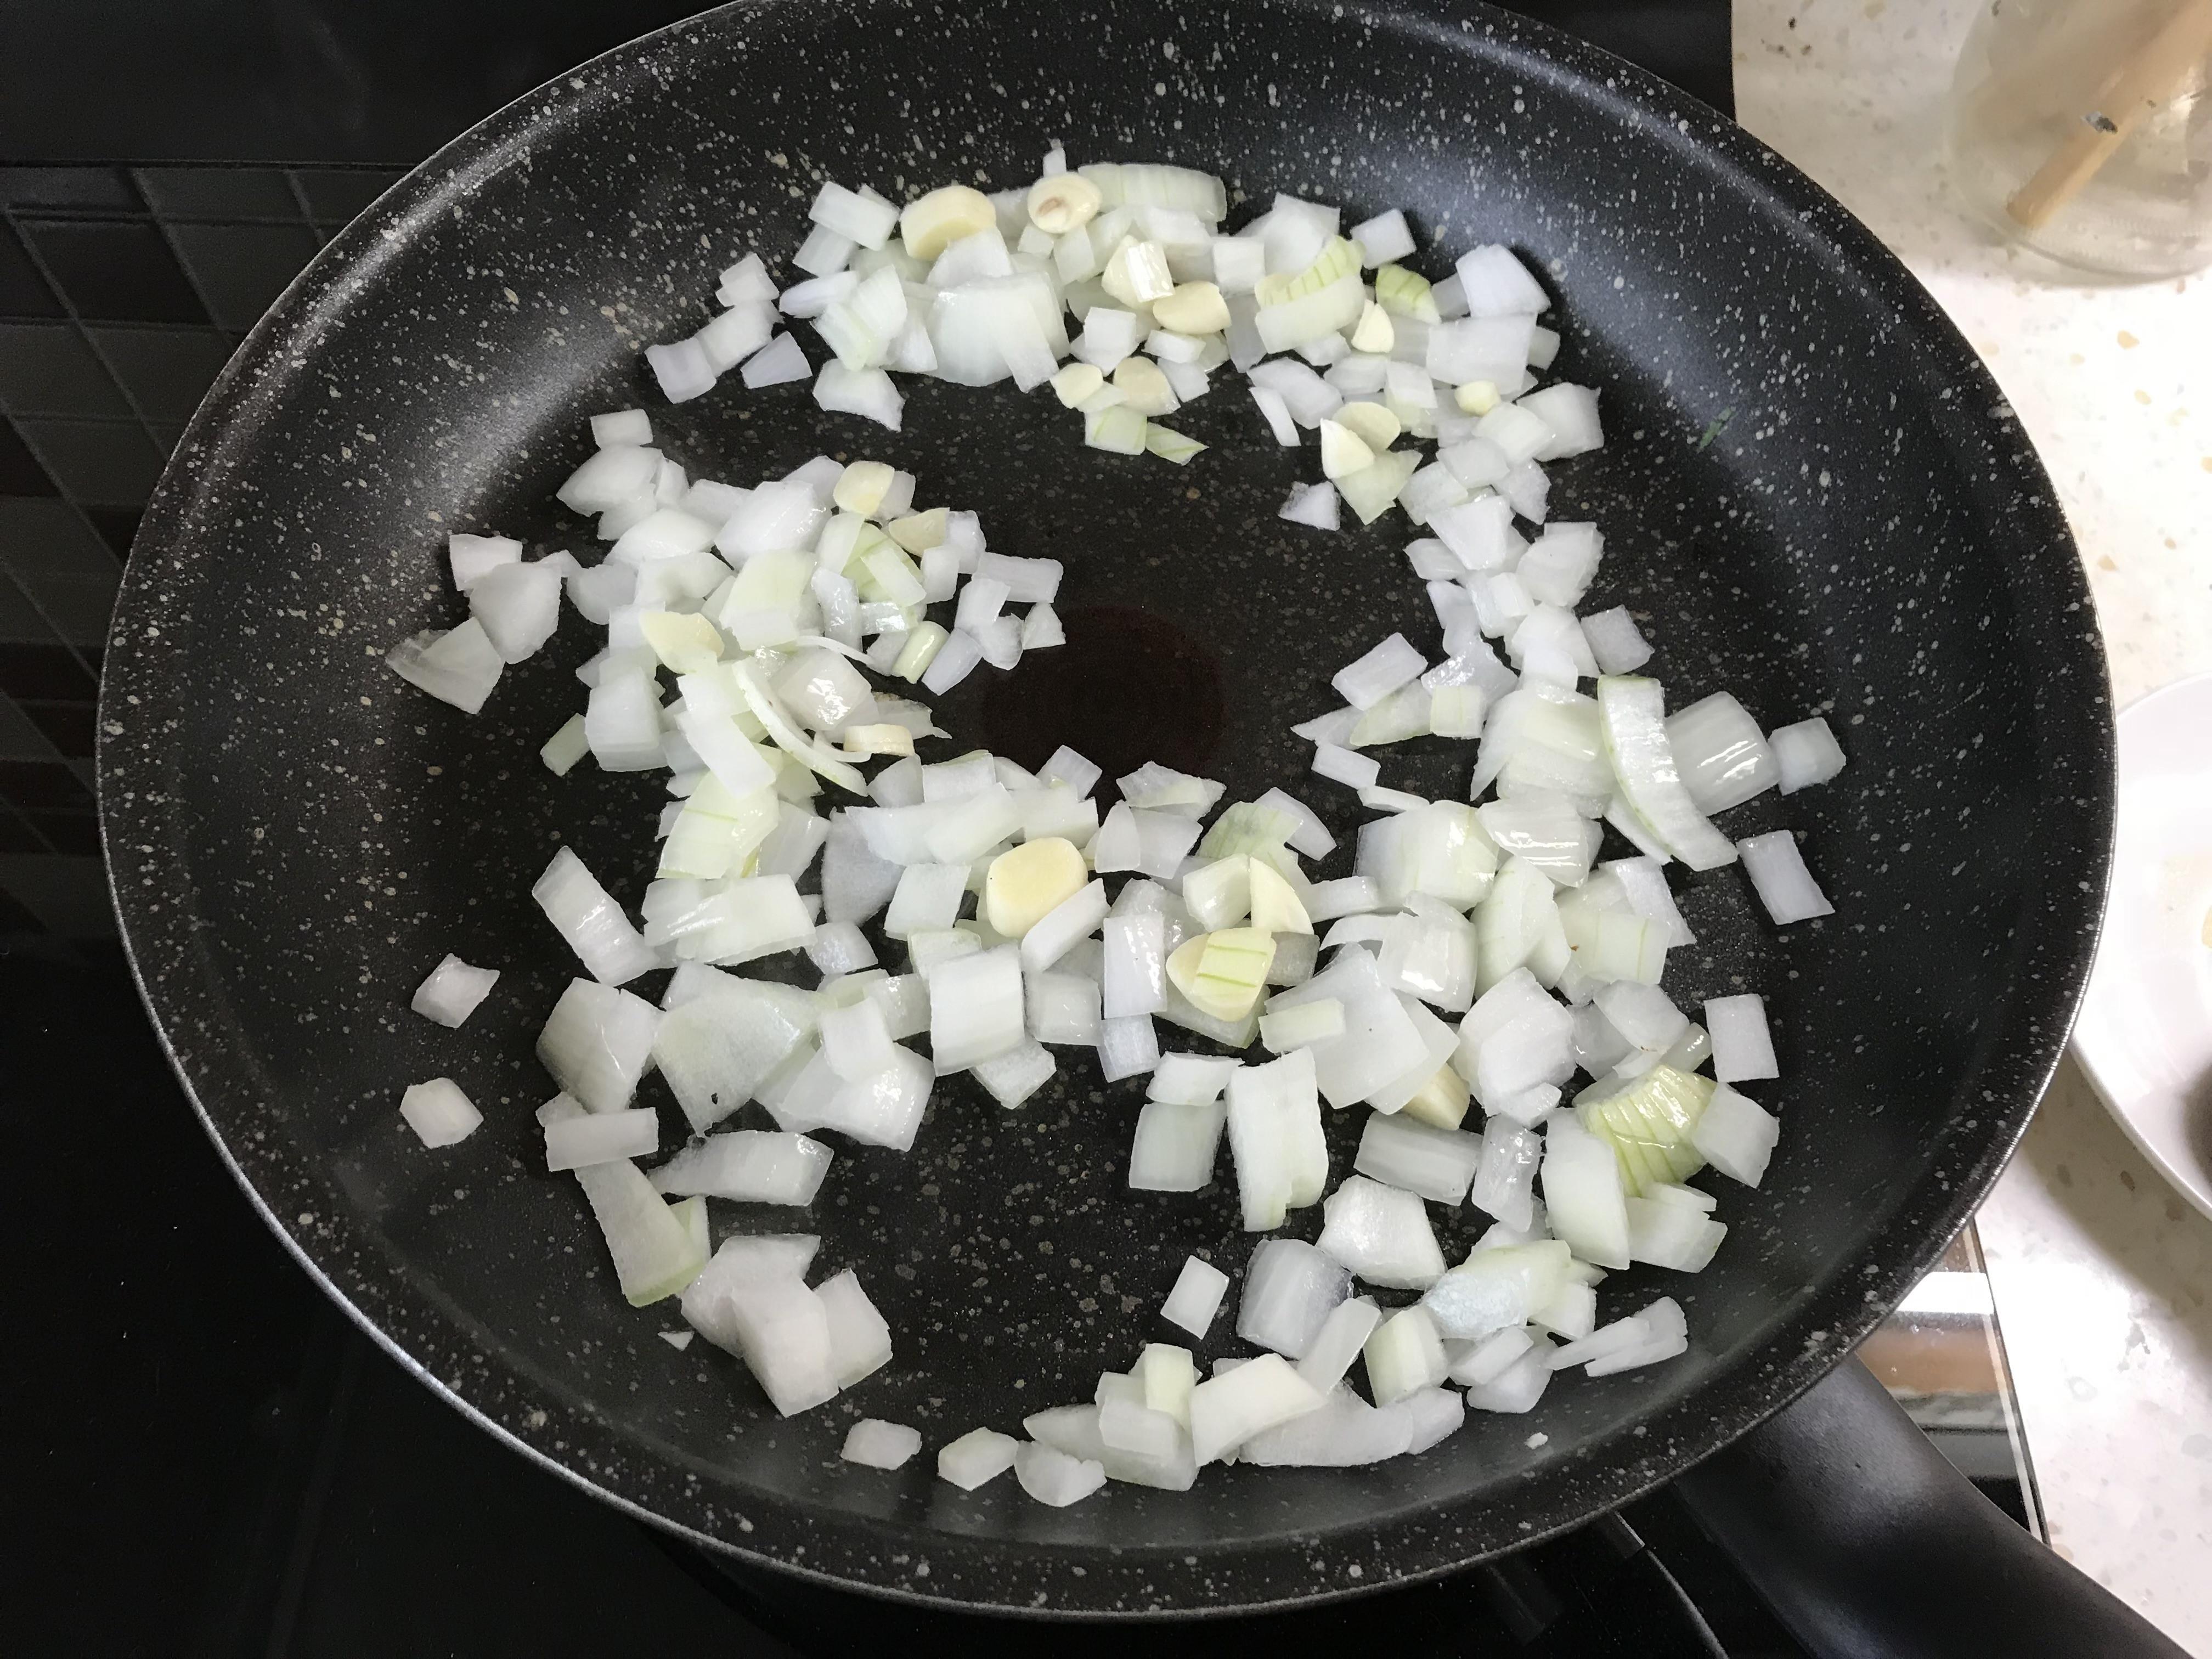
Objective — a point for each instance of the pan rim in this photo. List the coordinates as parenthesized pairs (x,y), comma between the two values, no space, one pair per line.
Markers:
(2048,969)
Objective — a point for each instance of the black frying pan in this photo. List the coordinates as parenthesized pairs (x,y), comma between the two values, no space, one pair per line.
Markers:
(1812,488)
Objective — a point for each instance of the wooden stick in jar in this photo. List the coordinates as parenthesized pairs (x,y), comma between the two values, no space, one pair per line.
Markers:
(2139,85)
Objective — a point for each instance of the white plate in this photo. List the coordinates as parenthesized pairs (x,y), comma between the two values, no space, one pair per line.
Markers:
(2145,1034)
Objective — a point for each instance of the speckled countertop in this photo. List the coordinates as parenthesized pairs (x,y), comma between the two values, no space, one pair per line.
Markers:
(2102,1275)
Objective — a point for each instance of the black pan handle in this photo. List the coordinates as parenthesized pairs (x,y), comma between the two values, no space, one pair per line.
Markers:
(1868,1545)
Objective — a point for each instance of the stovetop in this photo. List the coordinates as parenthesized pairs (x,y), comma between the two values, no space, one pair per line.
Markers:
(205,1456)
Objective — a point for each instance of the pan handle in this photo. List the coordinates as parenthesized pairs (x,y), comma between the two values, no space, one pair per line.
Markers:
(1867,1544)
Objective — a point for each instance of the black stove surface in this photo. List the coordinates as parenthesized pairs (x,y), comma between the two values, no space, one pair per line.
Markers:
(203,1456)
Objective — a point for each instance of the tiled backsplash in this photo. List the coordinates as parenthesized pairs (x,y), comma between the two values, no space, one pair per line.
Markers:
(123,291)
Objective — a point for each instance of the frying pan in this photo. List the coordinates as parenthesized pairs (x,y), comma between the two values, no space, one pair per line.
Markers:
(1811,488)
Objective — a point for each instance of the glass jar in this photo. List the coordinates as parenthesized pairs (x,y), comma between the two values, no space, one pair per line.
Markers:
(2083,129)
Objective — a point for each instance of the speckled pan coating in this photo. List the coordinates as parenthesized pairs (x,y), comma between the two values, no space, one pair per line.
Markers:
(1812,489)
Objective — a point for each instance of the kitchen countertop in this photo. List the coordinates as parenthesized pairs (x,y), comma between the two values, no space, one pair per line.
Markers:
(2101,1275)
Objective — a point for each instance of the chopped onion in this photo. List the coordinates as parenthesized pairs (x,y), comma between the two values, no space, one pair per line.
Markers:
(1175,1146)
(1637,740)
(1195,1298)
(1805,754)
(454,990)
(1743,1048)
(1230,1407)
(1404,1356)
(977,1457)
(1778,875)
(1722,756)
(876,1444)
(439,1113)
(1127,1047)
(1381,1235)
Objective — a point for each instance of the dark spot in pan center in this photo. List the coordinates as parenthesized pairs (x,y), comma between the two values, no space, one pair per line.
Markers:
(1129,686)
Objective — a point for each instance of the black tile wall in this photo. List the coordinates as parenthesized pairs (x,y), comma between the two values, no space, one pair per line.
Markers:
(123,292)
(23,291)
(334,195)
(109,462)
(239,269)
(118,271)
(20,471)
(164,370)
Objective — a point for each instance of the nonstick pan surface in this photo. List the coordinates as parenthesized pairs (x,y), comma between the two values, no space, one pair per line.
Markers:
(1811,489)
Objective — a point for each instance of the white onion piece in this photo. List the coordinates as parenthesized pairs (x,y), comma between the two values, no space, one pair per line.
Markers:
(1721,754)
(454,990)
(439,1113)
(1385,238)
(1175,1145)
(460,666)
(1195,1298)
(1572,413)
(1582,1198)
(1054,1478)
(928,898)
(597,1043)
(471,558)
(1644,1014)
(751,1166)
(1327,901)
(519,605)
(778,362)
(1342,1335)
(1127,1047)
(1229,1409)
(1369,679)
(975,1009)
(1381,1235)
(1344,1432)
(1405,1355)
(575,1143)
(1190,1079)
(1062,1008)
(1011,1078)
(1071,770)
(1312,505)
(602,937)
(1665,1334)
(1778,875)
(1664,1235)
(1805,754)
(1494,283)
(860,1339)
(1505,1180)
(976,1457)
(1497,1288)
(1743,1047)
(1615,641)
(1631,713)
(1057,932)
(782,1331)
(726,1039)
(1648,896)
(1275,1138)
(1290,1289)
(1484,1359)
(1518,1387)
(1736,1135)
(1345,766)
(875,1444)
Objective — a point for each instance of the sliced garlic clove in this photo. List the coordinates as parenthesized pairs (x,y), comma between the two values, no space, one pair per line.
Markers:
(930,223)
(1065,202)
